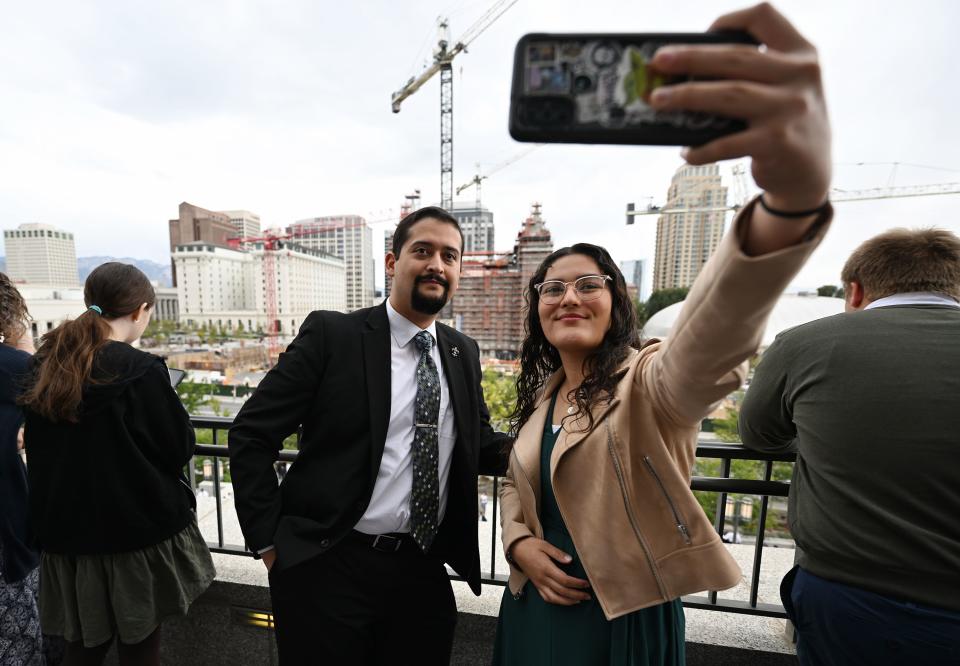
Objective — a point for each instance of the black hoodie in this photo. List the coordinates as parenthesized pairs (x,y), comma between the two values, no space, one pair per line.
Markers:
(113,481)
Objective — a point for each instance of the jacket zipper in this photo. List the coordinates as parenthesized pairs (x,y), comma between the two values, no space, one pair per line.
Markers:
(681,526)
(633,519)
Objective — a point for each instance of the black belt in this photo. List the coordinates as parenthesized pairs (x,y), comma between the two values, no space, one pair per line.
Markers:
(387,543)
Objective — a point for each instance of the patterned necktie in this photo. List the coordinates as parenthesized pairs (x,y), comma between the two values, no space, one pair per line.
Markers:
(425,498)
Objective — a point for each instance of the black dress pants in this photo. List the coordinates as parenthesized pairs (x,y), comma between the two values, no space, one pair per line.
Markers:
(358,605)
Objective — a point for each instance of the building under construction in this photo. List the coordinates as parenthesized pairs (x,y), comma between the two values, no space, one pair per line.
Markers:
(490,305)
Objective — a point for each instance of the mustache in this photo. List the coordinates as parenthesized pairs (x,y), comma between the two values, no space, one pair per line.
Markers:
(431,278)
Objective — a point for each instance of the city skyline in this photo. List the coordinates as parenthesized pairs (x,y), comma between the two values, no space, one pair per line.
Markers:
(120,110)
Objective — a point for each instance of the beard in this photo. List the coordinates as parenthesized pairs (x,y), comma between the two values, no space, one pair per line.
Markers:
(429,305)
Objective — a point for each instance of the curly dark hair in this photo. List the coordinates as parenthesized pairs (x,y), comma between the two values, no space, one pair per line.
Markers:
(539,359)
(13,311)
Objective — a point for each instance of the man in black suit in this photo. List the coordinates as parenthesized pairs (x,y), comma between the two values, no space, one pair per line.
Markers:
(384,490)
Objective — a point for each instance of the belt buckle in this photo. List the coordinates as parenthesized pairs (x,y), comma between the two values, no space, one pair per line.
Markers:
(390,544)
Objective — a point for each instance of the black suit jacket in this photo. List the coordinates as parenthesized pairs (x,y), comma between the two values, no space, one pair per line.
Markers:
(334,380)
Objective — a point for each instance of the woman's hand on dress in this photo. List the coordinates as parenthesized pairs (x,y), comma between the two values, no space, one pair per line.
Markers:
(537,559)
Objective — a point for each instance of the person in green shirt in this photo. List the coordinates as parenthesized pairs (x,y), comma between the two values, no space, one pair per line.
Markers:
(869,399)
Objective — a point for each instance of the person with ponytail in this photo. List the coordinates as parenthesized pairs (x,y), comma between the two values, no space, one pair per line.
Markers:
(21,643)
(107,439)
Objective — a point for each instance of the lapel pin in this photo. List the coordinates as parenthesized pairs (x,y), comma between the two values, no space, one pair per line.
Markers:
(454,351)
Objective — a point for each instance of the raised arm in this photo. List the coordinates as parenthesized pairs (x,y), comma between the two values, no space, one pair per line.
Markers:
(779,92)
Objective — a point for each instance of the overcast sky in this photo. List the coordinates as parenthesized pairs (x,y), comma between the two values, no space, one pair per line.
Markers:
(113,112)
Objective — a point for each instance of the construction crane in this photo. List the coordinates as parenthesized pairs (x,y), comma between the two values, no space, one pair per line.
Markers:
(272,244)
(837,195)
(478,178)
(442,62)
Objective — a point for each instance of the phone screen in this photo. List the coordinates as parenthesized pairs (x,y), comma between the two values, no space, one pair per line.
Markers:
(176,376)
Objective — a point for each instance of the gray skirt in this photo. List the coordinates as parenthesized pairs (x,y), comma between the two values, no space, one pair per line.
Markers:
(96,597)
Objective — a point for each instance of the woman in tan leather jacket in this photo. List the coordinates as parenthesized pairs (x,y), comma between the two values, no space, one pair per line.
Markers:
(601,529)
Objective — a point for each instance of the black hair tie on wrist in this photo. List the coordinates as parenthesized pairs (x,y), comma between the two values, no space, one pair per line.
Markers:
(799,213)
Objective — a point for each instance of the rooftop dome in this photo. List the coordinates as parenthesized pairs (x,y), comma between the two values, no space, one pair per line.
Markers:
(791,310)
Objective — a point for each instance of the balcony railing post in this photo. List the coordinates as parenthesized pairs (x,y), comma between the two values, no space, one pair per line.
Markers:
(216,492)
(761,529)
(496,522)
(721,512)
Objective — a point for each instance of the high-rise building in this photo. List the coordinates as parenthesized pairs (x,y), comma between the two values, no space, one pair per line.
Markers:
(347,237)
(226,288)
(685,240)
(476,223)
(490,305)
(633,272)
(246,223)
(199,225)
(41,254)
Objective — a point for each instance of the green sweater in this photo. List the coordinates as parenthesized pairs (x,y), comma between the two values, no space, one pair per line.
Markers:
(870,402)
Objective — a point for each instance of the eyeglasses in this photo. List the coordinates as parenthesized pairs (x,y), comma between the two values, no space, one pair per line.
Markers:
(588,288)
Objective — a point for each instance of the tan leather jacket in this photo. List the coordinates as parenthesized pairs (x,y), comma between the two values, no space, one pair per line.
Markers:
(623,487)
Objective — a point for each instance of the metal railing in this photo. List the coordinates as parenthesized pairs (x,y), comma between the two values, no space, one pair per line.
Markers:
(723,485)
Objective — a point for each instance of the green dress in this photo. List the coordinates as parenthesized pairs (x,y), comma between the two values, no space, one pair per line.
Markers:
(531,632)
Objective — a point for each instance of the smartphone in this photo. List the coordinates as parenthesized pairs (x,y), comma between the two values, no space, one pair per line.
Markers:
(595,88)
(176,376)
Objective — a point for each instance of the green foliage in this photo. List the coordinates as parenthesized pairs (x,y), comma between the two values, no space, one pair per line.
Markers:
(194,396)
(744,469)
(727,428)
(827,290)
(663,298)
(159,330)
(500,394)
(641,312)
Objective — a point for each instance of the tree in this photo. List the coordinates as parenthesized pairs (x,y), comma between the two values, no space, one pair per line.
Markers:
(827,290)
(727,428)
(500,394)
(641,309)
(194,396)
(663,298)
(830,291)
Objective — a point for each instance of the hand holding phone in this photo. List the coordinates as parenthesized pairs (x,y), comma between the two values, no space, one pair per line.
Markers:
(596,88)
(778,91)
(716,92)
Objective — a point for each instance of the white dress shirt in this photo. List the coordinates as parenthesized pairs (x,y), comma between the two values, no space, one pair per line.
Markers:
(914,298)
(389,508)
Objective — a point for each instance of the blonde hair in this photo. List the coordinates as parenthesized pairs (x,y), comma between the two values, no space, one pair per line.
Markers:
(906,260)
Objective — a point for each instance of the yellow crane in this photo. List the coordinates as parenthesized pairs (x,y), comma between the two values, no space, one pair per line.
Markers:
(443,57)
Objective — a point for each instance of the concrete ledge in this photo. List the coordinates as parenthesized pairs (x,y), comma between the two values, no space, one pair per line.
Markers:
(213,632)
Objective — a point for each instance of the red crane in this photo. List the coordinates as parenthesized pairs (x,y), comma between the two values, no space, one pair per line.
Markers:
(271,244)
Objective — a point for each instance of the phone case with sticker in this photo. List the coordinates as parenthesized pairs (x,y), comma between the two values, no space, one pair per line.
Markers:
(595,88)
